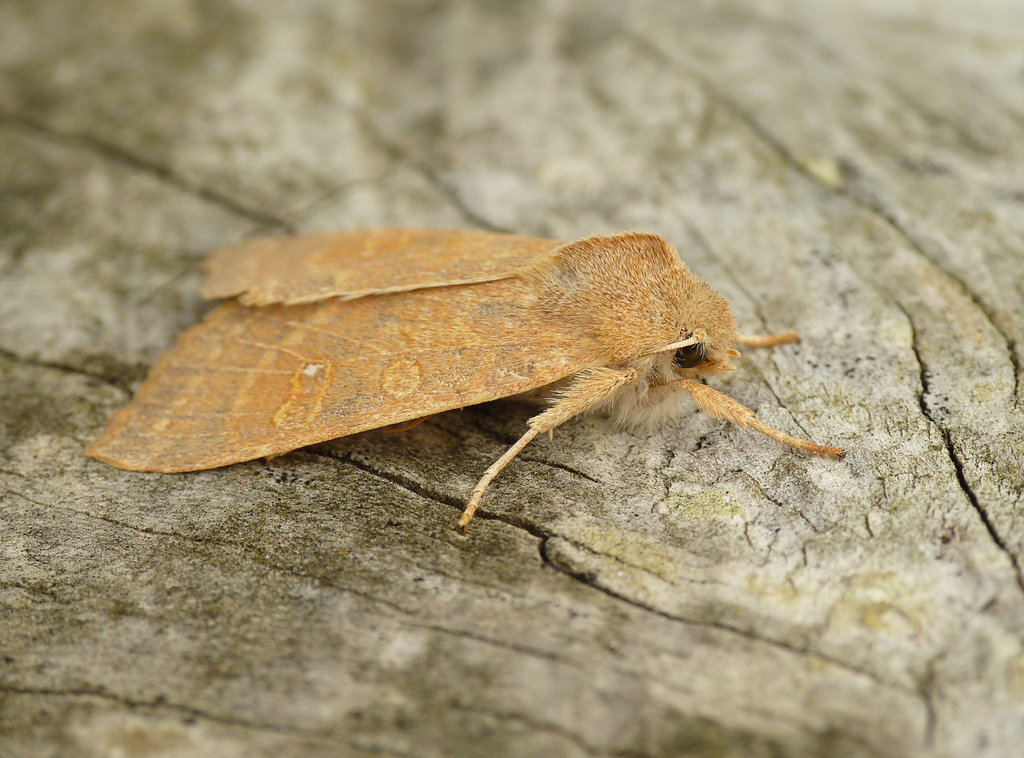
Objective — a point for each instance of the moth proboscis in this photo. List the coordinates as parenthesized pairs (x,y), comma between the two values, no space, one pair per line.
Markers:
(327,335)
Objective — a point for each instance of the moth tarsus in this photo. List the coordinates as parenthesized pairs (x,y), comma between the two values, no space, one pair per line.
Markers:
(328,335)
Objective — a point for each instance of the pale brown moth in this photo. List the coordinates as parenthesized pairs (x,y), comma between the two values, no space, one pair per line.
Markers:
(332,334)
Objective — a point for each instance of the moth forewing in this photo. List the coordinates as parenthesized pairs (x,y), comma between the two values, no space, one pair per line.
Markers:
(250,382)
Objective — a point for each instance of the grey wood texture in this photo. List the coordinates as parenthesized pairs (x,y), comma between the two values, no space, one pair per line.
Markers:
(852,170)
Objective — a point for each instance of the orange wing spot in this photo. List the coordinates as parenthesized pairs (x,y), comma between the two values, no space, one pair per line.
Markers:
(306,395)
(400,378)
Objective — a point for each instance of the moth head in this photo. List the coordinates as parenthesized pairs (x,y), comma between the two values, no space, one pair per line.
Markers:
(706,332)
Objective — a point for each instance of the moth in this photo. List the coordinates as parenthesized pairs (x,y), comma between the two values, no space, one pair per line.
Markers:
(327,335)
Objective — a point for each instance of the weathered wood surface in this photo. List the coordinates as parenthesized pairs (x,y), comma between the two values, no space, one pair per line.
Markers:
(853,170)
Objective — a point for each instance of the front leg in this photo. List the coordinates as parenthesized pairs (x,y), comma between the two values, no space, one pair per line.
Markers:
(724,407)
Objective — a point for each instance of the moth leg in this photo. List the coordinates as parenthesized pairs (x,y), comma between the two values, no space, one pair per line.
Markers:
(724,407)
(767,340)
(406,426)
(589,388)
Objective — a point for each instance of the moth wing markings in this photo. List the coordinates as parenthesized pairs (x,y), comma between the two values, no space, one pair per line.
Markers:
(304,394)
(279,348)
(185,418)
(359,263)
(303,326)
(247,370)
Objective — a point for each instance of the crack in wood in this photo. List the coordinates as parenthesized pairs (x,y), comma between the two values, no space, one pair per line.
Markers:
(954,455)
(418,488)
(108,379)
(122,156)
(562,466)
(976,300)
(399,154)
(537,725)
(926,687)
(404,482)
(591,579)
(160,703)
(146,530)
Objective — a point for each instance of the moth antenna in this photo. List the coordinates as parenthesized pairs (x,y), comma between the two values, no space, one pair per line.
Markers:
(672,346)
(766,340)
(590,388)
(724,407)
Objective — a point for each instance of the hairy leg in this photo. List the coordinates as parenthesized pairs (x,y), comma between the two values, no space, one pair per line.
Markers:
(587,390)
(724,407)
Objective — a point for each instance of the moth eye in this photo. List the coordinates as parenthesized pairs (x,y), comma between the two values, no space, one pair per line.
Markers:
(690,356)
